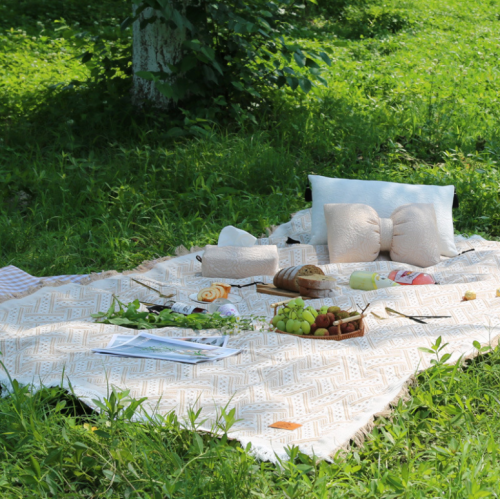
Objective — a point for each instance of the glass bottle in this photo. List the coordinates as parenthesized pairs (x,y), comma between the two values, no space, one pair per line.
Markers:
(177,307)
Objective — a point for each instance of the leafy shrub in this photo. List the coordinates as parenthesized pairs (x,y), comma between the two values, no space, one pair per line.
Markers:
(362,19)
(330,8)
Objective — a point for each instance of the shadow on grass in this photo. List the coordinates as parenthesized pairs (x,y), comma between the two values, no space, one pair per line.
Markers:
(34,14)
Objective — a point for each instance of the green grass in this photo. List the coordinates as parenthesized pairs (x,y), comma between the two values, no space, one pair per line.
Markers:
(88,183)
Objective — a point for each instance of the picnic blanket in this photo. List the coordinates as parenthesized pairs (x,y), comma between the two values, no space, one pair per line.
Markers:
(15,282)
(333,389)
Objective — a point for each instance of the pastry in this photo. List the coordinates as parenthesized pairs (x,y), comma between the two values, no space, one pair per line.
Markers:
(214,291)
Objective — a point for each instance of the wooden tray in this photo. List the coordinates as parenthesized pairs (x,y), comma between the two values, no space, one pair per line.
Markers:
(270,289)
(340,336)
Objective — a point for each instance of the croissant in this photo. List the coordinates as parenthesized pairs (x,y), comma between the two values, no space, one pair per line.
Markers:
(214,291)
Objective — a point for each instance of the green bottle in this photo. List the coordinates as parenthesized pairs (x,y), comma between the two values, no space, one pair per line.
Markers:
(364,280)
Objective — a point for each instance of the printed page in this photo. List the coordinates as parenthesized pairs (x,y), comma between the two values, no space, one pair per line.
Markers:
(218,341)
(151,346)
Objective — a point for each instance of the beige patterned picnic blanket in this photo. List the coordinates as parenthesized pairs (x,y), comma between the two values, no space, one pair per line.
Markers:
(333,389)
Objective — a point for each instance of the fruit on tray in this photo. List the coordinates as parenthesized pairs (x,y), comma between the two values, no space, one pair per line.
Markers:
(214,291)
(323,321)
(294,317)
(333,330)
(321,332)
(469,295)
(308,316)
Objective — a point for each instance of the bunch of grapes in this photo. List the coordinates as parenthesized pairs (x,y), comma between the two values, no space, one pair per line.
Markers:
(294,317)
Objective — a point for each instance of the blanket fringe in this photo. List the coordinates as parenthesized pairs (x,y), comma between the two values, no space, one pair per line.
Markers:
(403,395)
(361,434)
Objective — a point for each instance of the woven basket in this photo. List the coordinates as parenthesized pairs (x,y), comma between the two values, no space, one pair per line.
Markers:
(340,336)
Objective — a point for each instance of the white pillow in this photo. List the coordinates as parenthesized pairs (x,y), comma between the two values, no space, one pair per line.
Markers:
(384,197)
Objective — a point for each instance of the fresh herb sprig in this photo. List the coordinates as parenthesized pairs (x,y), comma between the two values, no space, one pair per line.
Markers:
(129,316)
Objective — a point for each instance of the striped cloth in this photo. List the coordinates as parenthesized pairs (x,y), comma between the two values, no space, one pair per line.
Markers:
(14,280)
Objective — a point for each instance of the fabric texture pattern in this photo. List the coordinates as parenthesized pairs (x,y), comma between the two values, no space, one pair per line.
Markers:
(14,280)
(384,197)
(357,234)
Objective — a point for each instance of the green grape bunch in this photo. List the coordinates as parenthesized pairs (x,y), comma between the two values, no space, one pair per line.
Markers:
(295,317)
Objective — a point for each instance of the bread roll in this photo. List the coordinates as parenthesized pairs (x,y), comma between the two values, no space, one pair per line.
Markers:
(314,293)
(317,281)
(287,278)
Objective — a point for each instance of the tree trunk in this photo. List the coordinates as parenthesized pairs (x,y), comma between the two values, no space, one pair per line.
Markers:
(154,46)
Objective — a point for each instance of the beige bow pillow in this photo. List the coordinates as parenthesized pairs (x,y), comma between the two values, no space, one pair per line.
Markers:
(357,234)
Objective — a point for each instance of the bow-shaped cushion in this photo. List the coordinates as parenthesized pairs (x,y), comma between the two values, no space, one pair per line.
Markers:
(357,234)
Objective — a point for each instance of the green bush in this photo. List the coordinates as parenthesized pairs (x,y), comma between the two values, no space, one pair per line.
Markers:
(362,19)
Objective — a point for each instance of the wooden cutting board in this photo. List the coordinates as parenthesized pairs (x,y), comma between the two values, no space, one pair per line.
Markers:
(270,289)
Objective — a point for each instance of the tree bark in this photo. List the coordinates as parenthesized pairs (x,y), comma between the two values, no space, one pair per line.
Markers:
(154,46)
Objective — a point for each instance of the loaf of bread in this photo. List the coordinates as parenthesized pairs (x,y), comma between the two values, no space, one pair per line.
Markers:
(314,293)
(317,282)
(287,278)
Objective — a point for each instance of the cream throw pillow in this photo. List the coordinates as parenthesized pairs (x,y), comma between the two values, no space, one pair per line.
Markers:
(357,234)
(384,197)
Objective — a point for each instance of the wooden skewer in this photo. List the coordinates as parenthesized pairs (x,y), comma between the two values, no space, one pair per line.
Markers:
(348,320)
(282,303)
(277,304)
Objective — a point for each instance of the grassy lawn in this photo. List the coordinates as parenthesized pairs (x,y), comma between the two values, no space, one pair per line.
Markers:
(87,183)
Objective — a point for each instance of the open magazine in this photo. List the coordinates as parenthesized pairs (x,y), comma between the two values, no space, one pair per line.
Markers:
(185,350)
(218,341)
